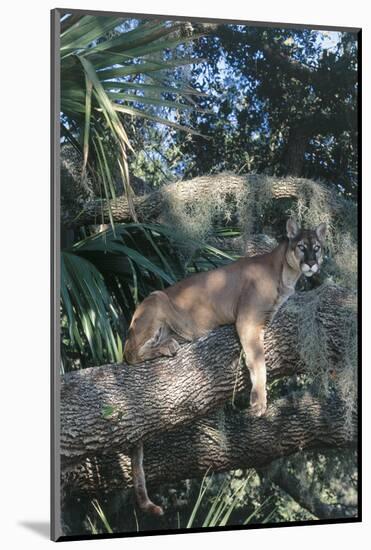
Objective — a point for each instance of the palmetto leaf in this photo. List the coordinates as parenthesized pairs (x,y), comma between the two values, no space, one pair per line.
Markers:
(94,88)
(114,243)
(89,308)
(136,52)
(87,30)
(152,88)
(105,104)
(67,22)
(144,68)
(106,71)
(141,36)
(137,112)
(89,89)
(150,101)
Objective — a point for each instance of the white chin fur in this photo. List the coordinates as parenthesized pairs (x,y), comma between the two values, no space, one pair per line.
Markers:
(309,271)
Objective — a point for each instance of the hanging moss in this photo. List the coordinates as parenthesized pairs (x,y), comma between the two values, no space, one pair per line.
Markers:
(261,204)
(316,348)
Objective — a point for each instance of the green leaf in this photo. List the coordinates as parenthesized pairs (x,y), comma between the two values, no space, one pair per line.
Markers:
(105,104)
(73,107)
(69,21)
(151,101)
(148,49)
(102,516)
(145,67)
(132,111)
(257,510)
(143,34)
(107,411)
(86,30)
(179,91)
(89,88)
(203,488)
(87,60)
(89,308)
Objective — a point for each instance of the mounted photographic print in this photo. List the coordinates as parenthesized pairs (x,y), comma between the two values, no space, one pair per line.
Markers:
(205,183)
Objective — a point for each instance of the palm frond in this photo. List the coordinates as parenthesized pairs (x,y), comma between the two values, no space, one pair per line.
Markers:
(92,319)
(99,56)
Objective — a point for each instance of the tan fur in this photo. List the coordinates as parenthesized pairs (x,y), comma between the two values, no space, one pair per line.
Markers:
(246,293)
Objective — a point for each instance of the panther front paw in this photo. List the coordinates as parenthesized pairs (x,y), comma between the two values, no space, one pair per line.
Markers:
(258,409)
(258,403)
(170,348)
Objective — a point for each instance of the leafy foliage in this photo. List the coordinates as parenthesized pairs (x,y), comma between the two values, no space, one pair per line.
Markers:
(282,101)
(112,69)
(91,318)
(230,495)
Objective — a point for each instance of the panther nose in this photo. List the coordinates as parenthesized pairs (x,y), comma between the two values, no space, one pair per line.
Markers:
(311,263)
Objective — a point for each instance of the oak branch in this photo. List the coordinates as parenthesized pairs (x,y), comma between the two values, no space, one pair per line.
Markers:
(228,187)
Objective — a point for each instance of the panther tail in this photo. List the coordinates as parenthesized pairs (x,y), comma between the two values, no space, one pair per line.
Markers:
(139,483)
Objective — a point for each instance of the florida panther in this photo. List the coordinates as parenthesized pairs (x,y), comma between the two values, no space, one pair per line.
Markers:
(246,293)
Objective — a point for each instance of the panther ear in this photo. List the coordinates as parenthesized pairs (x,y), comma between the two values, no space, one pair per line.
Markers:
(321,231)
(292,228)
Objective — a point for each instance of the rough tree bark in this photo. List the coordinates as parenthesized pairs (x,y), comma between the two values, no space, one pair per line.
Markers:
(257,244)
(296,146)
(225,440)
(227,185)
(150,400)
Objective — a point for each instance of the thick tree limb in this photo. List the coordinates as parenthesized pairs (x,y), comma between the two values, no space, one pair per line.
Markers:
(149,399)
(160,395)
(225,440)
(277,57)
(255,245)
(221,187)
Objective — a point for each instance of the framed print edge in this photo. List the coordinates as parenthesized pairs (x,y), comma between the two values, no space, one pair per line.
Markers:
(56,528)
(280,24)
(55,523)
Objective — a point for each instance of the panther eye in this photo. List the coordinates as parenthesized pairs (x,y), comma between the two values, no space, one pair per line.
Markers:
(316,248)
(301,247)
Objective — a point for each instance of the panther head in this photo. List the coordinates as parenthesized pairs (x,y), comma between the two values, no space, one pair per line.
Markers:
(305,251)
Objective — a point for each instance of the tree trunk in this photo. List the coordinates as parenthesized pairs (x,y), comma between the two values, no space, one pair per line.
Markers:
(296,147)
(105,410)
